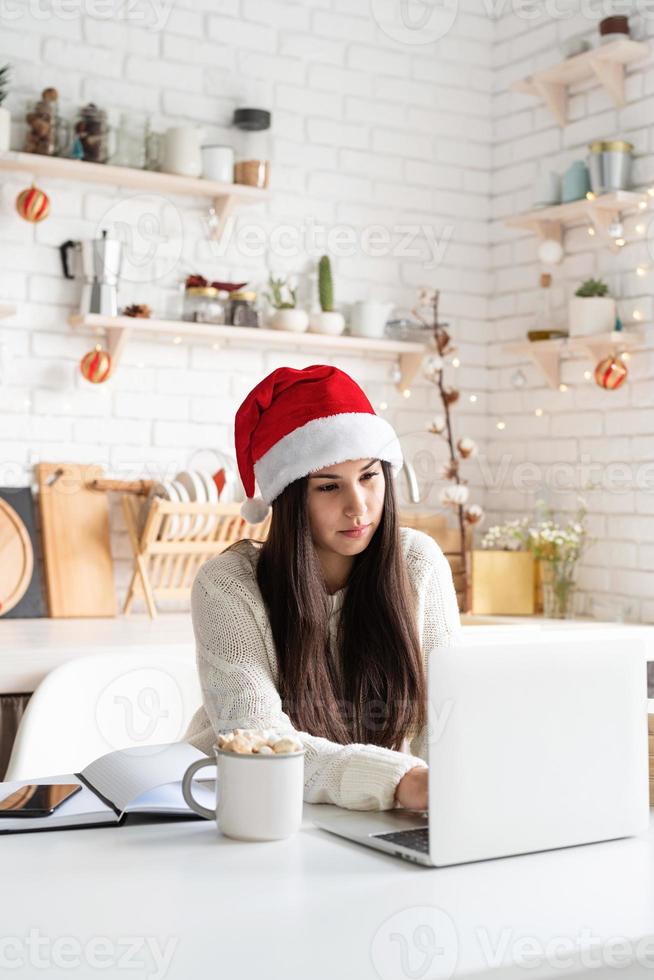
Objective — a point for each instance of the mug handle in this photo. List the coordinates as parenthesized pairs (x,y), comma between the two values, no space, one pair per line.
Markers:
(204,811)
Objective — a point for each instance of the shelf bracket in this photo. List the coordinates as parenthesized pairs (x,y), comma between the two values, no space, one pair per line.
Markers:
(610,74)
(549,230)
(117,338)
(223,207)
(555,97)
(409,367)
(549,363)
(597,350)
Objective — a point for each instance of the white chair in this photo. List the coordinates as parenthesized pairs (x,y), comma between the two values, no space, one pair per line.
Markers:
(94,704)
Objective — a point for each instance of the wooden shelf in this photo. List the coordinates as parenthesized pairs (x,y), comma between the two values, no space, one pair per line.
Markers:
(605,63)
(548,222)
(119,329)
(224,196)
(7,309)
(547,354)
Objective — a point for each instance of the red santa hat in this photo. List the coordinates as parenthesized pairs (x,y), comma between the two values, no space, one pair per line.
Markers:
(297,421)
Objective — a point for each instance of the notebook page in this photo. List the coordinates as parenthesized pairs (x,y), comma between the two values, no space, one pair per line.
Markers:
(124,775)
(169,799)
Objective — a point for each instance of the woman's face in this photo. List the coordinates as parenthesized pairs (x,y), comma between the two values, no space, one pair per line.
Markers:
(343,496)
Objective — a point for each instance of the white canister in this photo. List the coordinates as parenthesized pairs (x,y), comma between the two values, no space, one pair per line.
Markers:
(5,129)
(218,163)
(181,152)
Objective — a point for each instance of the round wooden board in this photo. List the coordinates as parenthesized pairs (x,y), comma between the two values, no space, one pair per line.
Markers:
(16,558)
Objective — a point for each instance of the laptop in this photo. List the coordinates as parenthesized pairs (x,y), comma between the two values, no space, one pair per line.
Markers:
(534,744)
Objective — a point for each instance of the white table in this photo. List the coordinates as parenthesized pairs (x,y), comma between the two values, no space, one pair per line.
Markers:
(314,907)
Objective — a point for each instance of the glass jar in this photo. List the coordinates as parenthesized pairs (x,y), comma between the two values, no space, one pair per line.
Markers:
(252,150)
(91,135)
(47,133)
(131,140)
(242,309)
(203,304)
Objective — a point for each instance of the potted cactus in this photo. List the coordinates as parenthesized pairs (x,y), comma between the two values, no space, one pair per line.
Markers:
(5,117)
(327,320)
(283,299)
(591,310)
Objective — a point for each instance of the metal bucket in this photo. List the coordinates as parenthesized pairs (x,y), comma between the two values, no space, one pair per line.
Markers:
(609,165)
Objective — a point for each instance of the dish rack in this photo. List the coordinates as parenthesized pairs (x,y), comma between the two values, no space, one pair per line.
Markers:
(176,539)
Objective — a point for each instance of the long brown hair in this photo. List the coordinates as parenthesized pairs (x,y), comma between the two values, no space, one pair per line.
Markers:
(372,689)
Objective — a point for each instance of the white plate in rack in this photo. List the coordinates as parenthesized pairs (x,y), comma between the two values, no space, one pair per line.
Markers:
(211,492)
(184,498)
(197,493)
(166,491)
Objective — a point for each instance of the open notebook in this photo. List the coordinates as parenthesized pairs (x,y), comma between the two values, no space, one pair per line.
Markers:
(145,779)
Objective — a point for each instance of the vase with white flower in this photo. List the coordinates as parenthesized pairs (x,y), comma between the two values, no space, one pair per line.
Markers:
(555,548)
(558,547)
(456,495)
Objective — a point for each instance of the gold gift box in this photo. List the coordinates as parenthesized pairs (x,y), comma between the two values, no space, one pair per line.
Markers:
(503,583)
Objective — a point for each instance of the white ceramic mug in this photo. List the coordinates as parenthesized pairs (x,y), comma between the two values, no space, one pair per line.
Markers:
(218,163)
(181,152)
(258,797)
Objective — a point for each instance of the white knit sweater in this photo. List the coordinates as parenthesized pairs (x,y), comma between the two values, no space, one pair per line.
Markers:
(238,671)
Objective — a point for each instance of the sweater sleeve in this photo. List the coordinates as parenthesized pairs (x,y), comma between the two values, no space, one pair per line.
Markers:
(239,691)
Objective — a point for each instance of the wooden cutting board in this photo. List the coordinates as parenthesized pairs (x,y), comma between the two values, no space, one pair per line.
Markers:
(16,558)
(33,603)
(76,544)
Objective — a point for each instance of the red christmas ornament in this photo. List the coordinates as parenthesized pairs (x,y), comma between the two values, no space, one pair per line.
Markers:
(96,365)
(33,204)
(610,373)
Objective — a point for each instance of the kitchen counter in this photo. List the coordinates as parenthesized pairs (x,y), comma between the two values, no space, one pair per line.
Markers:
(30,648)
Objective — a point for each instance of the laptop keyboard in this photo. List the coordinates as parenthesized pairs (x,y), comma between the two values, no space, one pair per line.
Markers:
(416,840)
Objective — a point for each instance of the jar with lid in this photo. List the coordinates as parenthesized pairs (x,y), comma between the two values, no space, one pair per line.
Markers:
(252,152)
(91,134)
(47,133)
(242,309)
(203,304)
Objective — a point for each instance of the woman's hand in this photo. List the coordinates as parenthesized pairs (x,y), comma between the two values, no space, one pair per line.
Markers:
(412,789)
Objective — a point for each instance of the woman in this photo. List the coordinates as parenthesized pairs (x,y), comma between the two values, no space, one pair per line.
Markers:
(317,630)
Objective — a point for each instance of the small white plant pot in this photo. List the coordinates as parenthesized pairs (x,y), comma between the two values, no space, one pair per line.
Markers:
(327,322)
(591,314)
(5,129)
(295,321)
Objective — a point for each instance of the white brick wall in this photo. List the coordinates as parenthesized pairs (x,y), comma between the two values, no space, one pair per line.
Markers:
(583,425)
(367,131)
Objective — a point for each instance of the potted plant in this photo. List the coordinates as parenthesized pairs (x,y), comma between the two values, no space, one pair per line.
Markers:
(591,309)
(328,320)
(284,299)
(5,116)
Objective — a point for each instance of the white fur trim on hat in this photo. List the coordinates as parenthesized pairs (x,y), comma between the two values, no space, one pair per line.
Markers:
(323,441)
(254,510)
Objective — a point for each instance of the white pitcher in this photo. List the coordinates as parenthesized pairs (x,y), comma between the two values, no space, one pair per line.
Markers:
(368,318)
